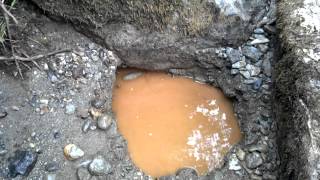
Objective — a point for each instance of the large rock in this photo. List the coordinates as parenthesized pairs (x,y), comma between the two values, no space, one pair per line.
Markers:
(167,33)
(297,90)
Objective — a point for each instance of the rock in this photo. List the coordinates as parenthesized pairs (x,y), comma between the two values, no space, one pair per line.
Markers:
(3,113)
(245,74)
(266,66)
(240,154)
(98,103)
(15,108)
(239,64)
(52,77)
(70,109)
(82,112)
(104,121)
(252,53)
(86,126)
(83,174)
(258,147)
(95,113)
(51,176)
(259,31)
(187,173)
(22,163)
(259,41)
(99,166)
(253,70)
(132,75)
(257,84)
(234,55)
(3,152)
(234,163)
(234,71)
(253,160)
(263,47)
(52,167)
(72,152)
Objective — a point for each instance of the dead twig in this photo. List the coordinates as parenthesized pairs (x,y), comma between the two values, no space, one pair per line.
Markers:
(6,11)
(33,58)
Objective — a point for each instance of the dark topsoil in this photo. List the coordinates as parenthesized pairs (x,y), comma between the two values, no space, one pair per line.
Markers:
(36,106)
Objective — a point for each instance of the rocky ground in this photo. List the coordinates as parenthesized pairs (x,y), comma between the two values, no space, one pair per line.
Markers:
(67,101)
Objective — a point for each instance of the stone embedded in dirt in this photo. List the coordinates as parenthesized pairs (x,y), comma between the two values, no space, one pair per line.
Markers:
(259,31)
(234,163)
(257,84)
(86,126)
(104,121)
(3,152)
(253,70)
(95,113)
(266,66)
(239,64)
(187,173)
(22,163)
(3,113)
(73,152)
(98,103)
(258,147)
(70,109)
(245,74)
(99,166)
(240,154)
(52,167)
(51,177)
(234,55)
(252,53)
(253,160)
(132,75)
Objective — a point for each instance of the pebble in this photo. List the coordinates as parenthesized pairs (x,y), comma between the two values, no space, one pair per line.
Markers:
(239,64)
(98,103)
(52,167)
(132,75)
(104,121)
(259,41)
(259,31)
(22,163)
(234,55)
(51,176)
(73,152)
(253,70)
(240,154)
(234,71)
(253,160)
(266,66)
(99,166)
(70,109)
(234,163)
(15,108)
(52,77)
(86,126)
(252,53)
(263,47)
(257,84)
(3,152)
(258,147)
(95,113)
(245,74)
(3,114)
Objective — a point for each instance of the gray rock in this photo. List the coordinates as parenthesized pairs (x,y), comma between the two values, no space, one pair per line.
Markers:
(266,66)
(86,126)
(252,53)
(3,152)
(73,152)
(22,163)
(259,41)
(239,64)
(263,47)
(253,70)
(70,109)
(52,167)
(234,71)
(240,154)
(259,31)
(132,75)
(234,55)
(104,121)
(99,166)
(253,160)
(98,103)
(258,147)
(234,163)
(245,74)
(51,176)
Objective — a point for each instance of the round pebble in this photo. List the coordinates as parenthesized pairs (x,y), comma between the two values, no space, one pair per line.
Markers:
(99,166)
(73,152)
(104,121)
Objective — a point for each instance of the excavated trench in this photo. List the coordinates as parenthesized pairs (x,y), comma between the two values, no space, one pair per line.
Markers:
(229,45)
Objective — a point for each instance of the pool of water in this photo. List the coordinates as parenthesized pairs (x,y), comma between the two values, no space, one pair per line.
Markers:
(173,122)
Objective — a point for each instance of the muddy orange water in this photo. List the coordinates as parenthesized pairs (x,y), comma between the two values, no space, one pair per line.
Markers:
(173,122)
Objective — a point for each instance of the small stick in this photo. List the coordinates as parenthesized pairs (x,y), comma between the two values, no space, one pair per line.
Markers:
(32,58)
(3,7)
